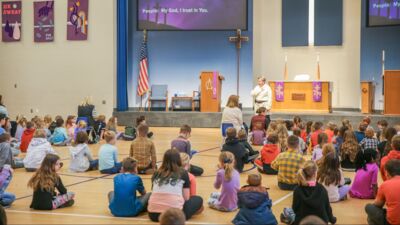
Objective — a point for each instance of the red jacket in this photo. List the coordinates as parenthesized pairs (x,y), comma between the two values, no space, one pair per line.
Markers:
(26,139)
(314,138)
(330,135)
(269,152)
(394,154)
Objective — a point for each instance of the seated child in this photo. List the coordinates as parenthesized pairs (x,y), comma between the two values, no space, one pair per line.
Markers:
(21,124)
(309,198)
(81,156)
(228,179)
(317,151)
(288,164)
(328,148)
(172,216)
(59,136)
(258,127)
(186,165)
(369,141)
(44,184)
(242,136)
(99,128)
(70,125)
(393,154)
(254,203)
(142,120)
(27,136)
(6,153)
(330,131)
(269,152)
(388,193)
(360,133)
(182,144)
(6,199)
(37,151)
(302,143)
(112,125)
(317,129)
(365,183)
(233,146)
(331,177)
(289,126)
(82,126)
(123,200)
(144,151)
(53,124)
(108,155)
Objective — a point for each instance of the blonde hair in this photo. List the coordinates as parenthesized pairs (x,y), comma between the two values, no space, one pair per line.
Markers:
(185,158)
(254,179)
(109,136)
(21,120)
(328,148)
(227,159)
(47,119)
(101,118)
(282,136)
(272,128)
(242,134)
(82,124)
(369,133)
(233,101)
(307,172)
(40,133)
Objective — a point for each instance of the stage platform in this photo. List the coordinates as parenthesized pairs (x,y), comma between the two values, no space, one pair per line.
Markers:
(213,120)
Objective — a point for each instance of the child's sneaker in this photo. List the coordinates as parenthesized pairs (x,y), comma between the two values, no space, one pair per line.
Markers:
(288,216)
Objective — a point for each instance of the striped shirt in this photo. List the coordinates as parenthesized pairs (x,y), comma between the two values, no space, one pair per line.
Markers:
(287,164)
(144,151)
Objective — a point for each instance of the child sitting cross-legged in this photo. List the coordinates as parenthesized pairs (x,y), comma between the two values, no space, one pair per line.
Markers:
(309,198)
(254,203)
(81,156)
(37,151)
(233,146)
(269,152)
(108,155)
(44,184)
(228,180)
(186,165)
(123,200)
(242,136)
(365,183)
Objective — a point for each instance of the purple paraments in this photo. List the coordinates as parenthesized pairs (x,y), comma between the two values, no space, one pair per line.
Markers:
(192,14)
(384,12)
(279,91)
(317,91)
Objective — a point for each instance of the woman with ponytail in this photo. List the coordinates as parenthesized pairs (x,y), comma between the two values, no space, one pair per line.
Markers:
(228,180)
(309,198)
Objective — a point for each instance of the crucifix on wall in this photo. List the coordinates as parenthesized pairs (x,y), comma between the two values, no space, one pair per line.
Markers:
(238,39)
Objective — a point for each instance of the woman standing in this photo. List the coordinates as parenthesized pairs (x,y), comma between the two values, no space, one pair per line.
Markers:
(262,95)
(171,189)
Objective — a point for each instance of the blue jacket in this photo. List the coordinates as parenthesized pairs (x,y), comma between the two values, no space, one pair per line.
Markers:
(255,208)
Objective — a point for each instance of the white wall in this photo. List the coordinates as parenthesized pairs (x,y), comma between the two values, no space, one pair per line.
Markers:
(52,78)
(339,64)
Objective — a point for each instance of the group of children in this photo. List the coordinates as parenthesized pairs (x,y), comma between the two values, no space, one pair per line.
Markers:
(316,183)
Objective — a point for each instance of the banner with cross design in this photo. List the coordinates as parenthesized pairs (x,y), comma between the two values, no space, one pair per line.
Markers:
(279,91)
(317,91)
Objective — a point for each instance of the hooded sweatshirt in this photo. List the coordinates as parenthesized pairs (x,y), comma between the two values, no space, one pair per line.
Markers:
(255,207)
(233,146)
(80,157)
(312,201)
(26,138)
(394,154)
(269,152)
(37,150)
(6,157)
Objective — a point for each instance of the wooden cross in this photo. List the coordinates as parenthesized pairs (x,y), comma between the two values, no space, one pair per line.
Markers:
(238,39)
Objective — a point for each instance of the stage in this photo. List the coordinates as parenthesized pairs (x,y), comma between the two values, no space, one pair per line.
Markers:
(213,120)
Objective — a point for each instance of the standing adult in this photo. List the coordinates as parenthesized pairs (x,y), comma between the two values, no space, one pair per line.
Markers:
(3,109)
(87,109)
(232,113)
(262,95)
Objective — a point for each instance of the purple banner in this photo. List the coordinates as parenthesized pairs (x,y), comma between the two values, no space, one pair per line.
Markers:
(192,14)
(11,21)
(77,24)
(317,91)
(214,88)
(279,91)
(43,21)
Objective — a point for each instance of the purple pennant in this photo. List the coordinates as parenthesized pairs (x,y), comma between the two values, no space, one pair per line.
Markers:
(214,87)
(78,20)
(279,91)
(317,91)
(11,21)
(43,21)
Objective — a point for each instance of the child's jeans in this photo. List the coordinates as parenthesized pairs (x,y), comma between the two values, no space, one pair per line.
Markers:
(113,170)
(93,164)
(6,199)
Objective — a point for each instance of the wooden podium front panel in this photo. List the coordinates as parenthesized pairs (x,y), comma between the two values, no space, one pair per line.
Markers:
(392,92)
(298,97)
(367,97)
(208,103)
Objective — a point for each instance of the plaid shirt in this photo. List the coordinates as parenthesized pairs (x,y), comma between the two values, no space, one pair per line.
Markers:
(369,143)
(143,150)
(287,164)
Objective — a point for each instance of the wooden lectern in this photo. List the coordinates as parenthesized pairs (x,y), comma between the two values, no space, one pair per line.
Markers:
(210,96)
(367,96)
(392,92)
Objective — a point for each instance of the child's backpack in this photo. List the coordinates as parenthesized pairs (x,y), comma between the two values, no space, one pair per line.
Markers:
(129,134)
(93,136)
(258,137)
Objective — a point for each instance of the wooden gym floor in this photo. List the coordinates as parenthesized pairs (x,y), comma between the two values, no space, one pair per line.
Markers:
(91,188)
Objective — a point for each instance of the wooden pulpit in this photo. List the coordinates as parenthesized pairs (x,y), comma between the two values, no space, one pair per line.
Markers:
(210,95)
(392,92)
(367,96)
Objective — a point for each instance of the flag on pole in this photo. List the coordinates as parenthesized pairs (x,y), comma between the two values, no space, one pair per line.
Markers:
(143,82)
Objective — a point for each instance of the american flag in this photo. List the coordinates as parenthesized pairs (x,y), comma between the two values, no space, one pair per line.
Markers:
(143,82)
